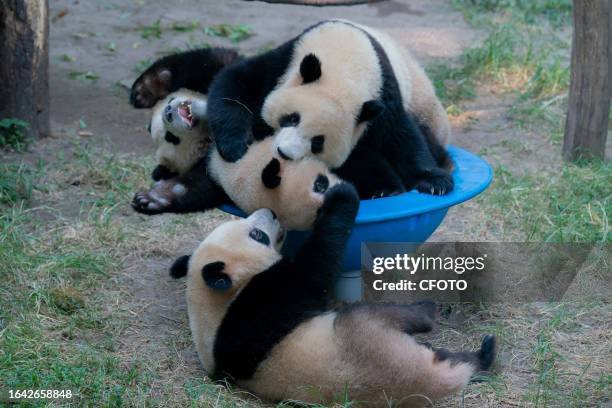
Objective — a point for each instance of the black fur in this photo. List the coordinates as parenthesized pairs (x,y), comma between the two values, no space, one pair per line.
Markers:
(290,120)
(236,97)
(161,172)
(370,110)
(194,70)
(481,359)
(277,300)
(317,143)
(270,174)
(214,277)
(172,138)
(321,184)
(179,267)
(310,69)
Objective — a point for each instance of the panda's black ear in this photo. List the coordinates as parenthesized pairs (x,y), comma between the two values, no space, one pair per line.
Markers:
(370,110)
(214,277)
(310,69)
(179,267)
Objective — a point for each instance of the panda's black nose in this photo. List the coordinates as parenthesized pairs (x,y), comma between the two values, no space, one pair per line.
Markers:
(169,116)
(283,155)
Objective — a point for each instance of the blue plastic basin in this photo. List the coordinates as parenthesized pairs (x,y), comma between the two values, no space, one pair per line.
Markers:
(409,217)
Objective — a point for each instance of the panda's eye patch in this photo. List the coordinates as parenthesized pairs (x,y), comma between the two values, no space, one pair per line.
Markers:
(316,144)
(290,120)
(171,138)
(260,236)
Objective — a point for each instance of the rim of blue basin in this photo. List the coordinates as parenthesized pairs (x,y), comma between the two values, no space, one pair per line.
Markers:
(472,175)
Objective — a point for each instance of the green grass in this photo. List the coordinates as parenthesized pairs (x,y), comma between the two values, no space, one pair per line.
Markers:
(16,183)
(520,56)
(56,327)
(12,134)
(526,60)
(235,33)
(151,31)
(573,205)
(556,12)
(555,386)
(83,75)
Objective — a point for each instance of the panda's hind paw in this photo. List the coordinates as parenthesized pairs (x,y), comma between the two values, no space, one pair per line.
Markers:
(153,85)
(159,199)
(145,204)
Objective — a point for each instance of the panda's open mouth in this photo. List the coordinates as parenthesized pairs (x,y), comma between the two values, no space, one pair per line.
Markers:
(184,111)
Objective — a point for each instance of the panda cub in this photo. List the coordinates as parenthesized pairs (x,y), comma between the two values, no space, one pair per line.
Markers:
(264,321)
(294,190)
(179,131)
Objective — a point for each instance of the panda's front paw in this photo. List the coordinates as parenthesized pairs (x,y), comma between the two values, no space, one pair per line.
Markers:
(159,199)
(153,85)
(437,182)
(340,199)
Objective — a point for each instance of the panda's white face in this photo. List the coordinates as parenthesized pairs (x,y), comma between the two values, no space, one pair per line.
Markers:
(238,250)
(315,115)
(310,123)
(184,113)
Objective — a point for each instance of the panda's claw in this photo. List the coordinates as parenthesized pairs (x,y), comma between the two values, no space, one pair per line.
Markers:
(437,183)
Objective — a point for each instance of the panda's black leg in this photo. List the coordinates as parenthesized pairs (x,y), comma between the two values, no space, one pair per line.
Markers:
(193,70)
(481,359)
(416,163)
(191,192)
(371,174)
(162,172)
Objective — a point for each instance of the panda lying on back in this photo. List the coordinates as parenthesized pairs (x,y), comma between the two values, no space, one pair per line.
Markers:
(341,92)
(264,320)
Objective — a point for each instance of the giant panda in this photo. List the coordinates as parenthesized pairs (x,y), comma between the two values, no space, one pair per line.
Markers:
(344,93)
(264,321)
(179,131)
(294,190)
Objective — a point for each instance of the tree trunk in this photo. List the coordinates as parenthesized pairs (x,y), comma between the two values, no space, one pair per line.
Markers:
(586,126)
(24,66)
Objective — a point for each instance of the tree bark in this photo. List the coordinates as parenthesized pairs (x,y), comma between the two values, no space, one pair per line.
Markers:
(586,126)
(24,66)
